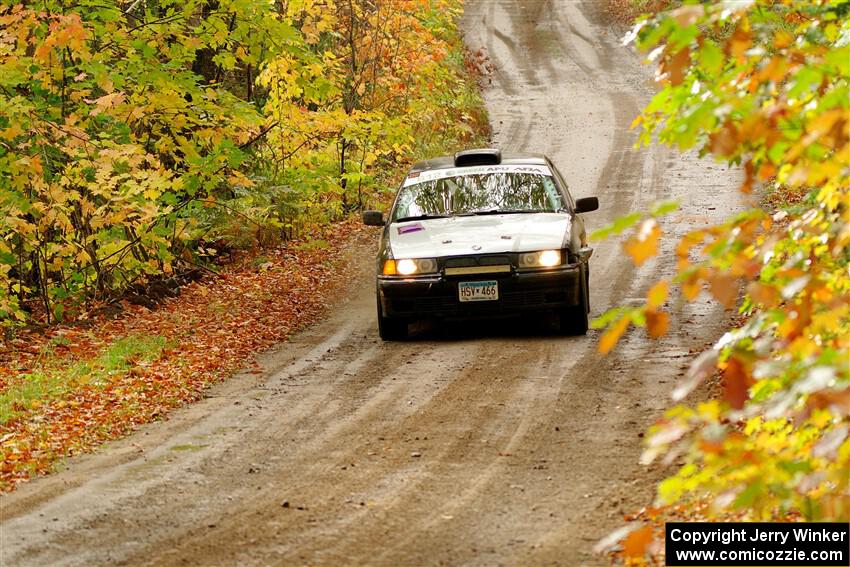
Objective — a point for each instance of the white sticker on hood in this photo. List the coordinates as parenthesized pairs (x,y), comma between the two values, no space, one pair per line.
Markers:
(432,175)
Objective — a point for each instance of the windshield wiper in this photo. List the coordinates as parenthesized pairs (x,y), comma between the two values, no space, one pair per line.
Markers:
(420,217)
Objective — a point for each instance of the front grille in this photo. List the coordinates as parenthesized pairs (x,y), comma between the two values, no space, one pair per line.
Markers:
(475,270)
(477,260)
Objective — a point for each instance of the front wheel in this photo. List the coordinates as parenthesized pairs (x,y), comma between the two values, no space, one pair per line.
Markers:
(391,328)
(574,319)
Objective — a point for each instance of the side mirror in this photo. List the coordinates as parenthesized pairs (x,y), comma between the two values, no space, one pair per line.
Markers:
(373,218)
(587,204)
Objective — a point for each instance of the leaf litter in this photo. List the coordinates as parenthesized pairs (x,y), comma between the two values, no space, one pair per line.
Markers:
(211,330)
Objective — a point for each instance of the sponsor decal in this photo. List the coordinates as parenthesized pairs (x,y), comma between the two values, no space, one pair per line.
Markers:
(425,176)
(415,227)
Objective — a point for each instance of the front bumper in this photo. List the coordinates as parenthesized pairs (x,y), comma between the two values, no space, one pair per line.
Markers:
(519,292)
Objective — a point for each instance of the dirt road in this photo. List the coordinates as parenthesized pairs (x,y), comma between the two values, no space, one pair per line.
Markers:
(481,445)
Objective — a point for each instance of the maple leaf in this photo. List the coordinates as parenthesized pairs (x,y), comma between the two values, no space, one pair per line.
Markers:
(637,542)
(12,132)
(724,288)
(612,335)
(106,102)
(657,294)
(736,382)
(644,244)
(657,323)
(724,142)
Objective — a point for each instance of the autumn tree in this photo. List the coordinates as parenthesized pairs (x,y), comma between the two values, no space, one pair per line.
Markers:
(763,85)
(382,89)
(135,135)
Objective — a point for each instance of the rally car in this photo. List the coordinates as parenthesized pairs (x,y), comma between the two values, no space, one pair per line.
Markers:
(479,234)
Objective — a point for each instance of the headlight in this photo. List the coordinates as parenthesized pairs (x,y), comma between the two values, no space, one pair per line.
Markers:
(542,259)
(410,267)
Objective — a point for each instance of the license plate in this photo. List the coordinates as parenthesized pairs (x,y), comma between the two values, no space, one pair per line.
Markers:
(478,291)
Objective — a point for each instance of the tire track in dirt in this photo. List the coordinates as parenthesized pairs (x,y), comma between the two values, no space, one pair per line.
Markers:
(437,411)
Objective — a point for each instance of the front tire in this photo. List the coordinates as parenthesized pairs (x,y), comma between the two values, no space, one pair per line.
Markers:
(574,319)
(391,328)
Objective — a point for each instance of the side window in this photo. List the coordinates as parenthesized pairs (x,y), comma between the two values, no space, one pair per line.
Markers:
(570,201)
(553,196)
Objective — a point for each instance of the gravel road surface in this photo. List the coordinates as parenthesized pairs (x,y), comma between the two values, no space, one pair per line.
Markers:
(472,444)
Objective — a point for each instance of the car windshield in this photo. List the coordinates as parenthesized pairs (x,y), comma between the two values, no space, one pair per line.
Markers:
(488,193)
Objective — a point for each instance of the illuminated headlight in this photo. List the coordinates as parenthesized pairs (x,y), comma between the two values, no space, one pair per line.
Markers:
(542,259)
(410,267)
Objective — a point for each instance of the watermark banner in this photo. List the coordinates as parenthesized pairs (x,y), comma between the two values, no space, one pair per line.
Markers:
(760,544)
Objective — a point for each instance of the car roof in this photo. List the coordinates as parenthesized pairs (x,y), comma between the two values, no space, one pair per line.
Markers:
(447,162)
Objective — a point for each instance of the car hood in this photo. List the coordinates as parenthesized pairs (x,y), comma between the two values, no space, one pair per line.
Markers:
(457,236)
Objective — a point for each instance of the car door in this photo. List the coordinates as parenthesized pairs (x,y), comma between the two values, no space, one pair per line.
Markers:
(578,236)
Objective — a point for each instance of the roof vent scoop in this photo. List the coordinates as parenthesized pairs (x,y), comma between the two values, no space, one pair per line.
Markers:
(484,156)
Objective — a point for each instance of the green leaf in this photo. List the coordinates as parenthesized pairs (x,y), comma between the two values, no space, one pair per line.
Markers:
(711,57)
(616,227)
(662,208)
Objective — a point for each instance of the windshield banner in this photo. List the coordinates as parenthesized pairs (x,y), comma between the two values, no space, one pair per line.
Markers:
(425,176)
